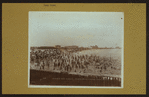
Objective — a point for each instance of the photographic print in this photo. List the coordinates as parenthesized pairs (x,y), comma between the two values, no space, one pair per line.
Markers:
(75,49)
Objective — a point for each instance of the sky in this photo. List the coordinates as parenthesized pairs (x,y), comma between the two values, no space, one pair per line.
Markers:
(84,29)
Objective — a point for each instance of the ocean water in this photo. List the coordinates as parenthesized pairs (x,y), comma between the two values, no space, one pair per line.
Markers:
(114,53)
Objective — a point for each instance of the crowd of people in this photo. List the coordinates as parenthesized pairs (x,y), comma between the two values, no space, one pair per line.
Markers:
(66,61)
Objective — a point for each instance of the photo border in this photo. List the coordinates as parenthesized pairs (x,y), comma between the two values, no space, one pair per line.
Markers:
(15,42)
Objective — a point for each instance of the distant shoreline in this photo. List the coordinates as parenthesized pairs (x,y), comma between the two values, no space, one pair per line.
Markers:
(48,47)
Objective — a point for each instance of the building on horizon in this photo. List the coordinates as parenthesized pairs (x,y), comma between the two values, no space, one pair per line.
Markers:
(58,46)
(117,47)
(71,47)
(94,47)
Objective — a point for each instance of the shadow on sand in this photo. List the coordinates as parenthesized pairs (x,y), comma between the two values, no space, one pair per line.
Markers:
(63,79)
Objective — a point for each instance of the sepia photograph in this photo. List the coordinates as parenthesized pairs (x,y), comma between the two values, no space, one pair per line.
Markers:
(75,49)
